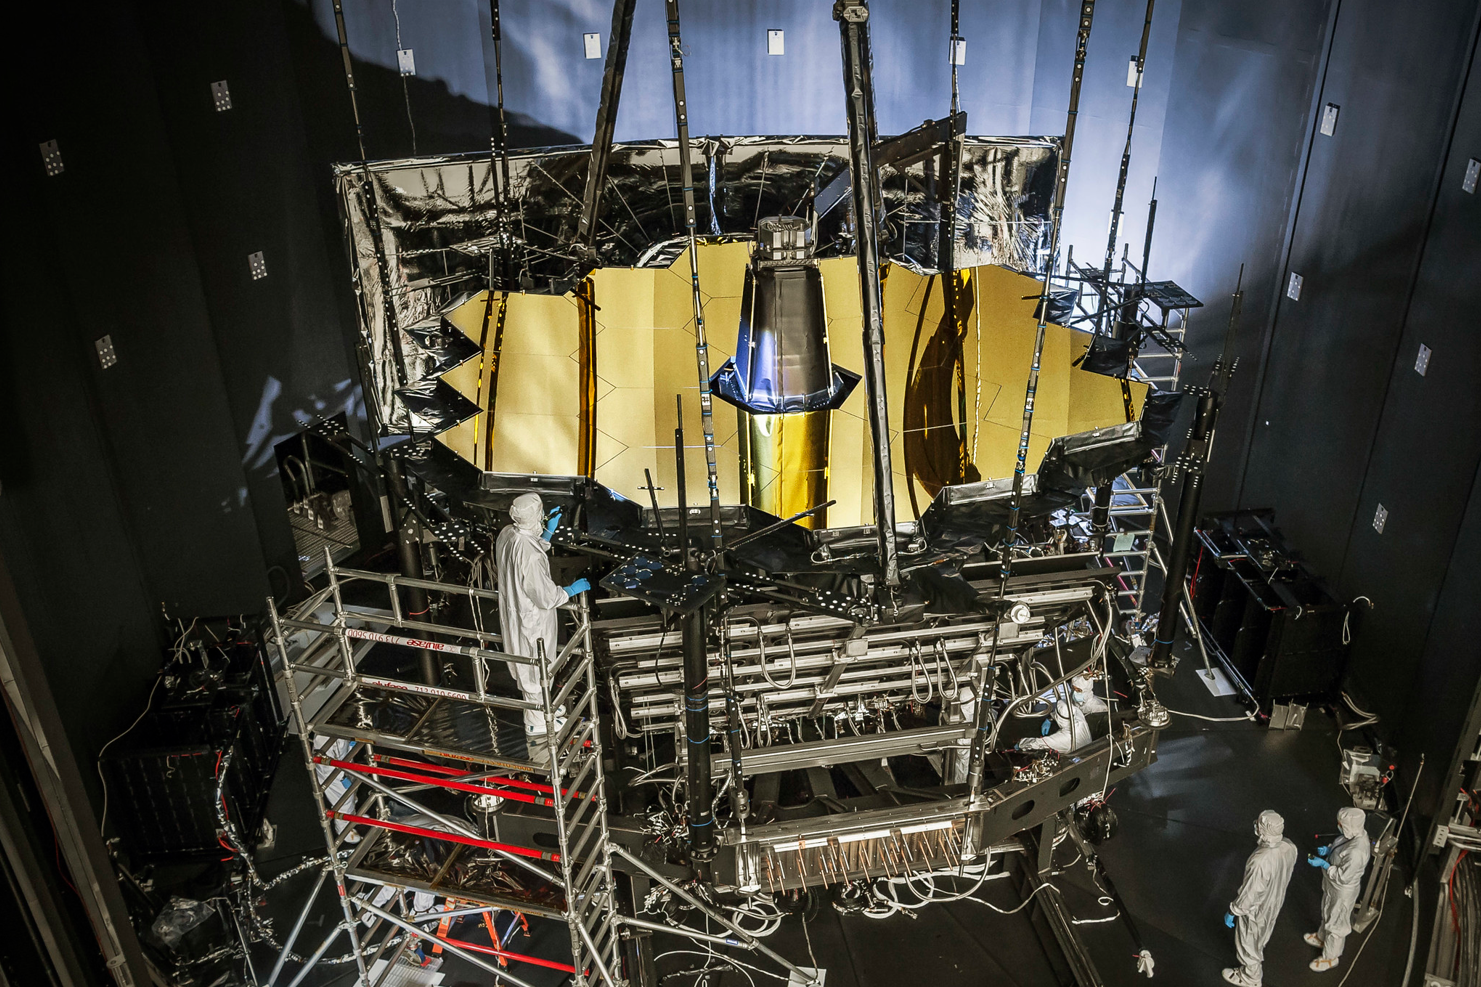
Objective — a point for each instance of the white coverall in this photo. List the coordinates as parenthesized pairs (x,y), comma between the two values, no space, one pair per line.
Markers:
(1342,880)
(528,599)
(1266,875)
(1083,691)
(1071,733)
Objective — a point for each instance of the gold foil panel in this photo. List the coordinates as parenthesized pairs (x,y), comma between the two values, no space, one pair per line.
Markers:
(645,354)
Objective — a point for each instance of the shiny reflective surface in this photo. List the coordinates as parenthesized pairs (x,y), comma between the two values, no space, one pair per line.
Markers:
(439,219)
(959,410)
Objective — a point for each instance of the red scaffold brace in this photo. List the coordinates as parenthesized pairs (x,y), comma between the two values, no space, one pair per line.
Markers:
(437,834)
(517,957)
(443,769)
(459,786)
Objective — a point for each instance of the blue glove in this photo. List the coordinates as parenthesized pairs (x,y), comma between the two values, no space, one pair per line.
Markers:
(1318,862)
(579,586)
(1045,730)
(1229,919)
(1322,851)
(553,523)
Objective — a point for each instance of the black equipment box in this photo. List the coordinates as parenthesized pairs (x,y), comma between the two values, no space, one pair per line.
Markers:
(1275,621)
(219,715)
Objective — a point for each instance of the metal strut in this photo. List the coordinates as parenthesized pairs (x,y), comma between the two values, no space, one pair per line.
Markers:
(697,779)
(1056,215)
(701,346)
(947,193)
(601,141)
(1193,460)
(1141,61)
(499,156)
(853,19)
(1100,513)
(408,535)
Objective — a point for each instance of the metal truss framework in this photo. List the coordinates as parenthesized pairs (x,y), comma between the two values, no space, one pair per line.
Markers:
(369,777)
(1137,507)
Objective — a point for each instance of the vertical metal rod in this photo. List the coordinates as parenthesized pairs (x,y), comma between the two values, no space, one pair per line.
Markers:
(701,346)
(697,781)
(682,485)
(1141,61)
(586,359)
(853,18)
(303,917)
(296,704)
(1195,457)
(601,142)
(599,789)
(948,192)
(372,207)
(409,554)
(499,154)
(808,978)
(1005,568)
(1151,222)
(342,639)
(653,497)
(738,798)
(562,835)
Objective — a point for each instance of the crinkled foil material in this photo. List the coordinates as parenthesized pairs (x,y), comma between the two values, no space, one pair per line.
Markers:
(439,217)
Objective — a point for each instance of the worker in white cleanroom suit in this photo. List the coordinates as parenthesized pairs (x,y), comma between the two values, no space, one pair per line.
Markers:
(528,597)
(1068,732)
(1343,863)
(1252,915)
(1082,691)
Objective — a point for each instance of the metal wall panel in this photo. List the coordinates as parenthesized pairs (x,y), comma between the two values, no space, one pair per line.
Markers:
(1361,223)
(247,185)
(1415,658)
(135,494)
(1231,148)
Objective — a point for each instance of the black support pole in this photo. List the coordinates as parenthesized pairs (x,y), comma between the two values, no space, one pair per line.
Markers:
(696,697)
(1193,460)
(1056,214)
(601,141)
(701,346)
(409,556)
(853,21)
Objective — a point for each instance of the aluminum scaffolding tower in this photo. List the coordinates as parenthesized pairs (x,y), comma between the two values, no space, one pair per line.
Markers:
(377,744)
(1137,506)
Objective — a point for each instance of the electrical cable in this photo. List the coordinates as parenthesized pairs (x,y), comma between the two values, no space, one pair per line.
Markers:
(807,937)
(1213,719)
(405,90)
(1367,718)
(177,653)
(917,662)
(103,820)
(761,654)
(1016,908)
(1346,631)
(1352,964)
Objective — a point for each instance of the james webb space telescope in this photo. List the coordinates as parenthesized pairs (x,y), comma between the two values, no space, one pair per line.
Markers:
(780,684)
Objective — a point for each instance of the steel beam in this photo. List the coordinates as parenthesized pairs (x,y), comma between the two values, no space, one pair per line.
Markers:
(55,769)
(858,87)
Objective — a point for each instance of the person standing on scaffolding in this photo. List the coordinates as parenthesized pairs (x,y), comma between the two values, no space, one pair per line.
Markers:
(529,598)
